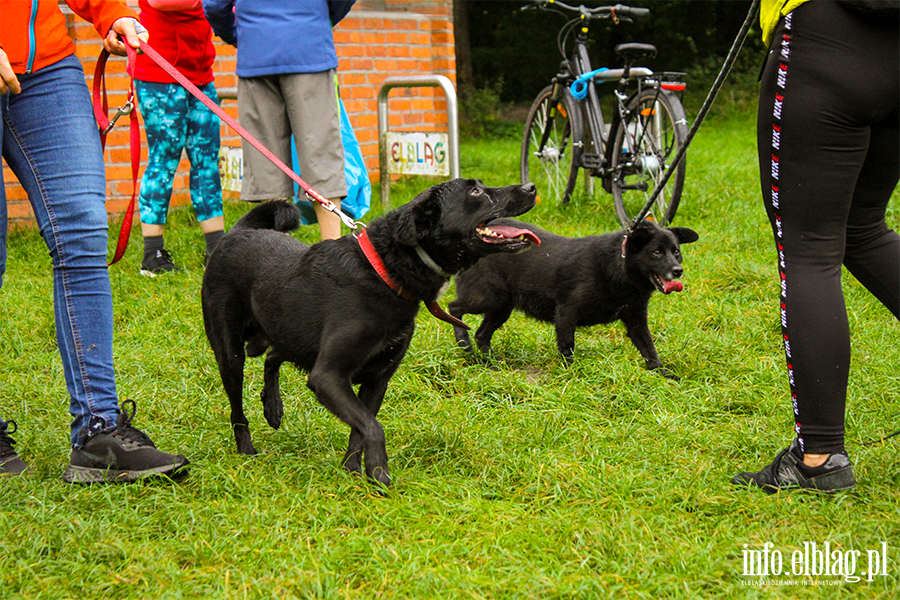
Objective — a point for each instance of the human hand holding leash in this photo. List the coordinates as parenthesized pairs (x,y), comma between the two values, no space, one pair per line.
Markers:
(8,80)
(128,28)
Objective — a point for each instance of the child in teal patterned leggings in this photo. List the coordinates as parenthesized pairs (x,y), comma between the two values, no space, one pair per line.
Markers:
(175,120)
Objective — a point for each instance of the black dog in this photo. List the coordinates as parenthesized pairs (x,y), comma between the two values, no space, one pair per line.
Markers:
(326,309)
(575,282)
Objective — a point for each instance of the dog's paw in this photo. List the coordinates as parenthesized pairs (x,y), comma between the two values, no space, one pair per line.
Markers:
(353,462)
(465,345)
(242,437)
(273,410)
(662,371)
(247,449)
(380,475)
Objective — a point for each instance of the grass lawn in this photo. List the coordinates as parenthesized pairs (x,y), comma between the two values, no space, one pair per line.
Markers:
(520,479)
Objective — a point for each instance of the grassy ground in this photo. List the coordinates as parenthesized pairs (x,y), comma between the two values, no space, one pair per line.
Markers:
(523,479)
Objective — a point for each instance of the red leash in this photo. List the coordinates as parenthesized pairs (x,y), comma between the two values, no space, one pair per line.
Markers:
(100,111)
(313,194)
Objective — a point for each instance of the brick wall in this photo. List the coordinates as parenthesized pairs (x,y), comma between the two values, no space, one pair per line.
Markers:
(378,39)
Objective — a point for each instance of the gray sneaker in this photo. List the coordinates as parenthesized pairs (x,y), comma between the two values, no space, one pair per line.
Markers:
(10,463)
(122,455)
(787,471)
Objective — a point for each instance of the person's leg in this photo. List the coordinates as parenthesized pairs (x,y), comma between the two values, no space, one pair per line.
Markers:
(164,108)
(312,107)
(10,463)
(329,223)
(834,95)
(814,135)
(262,110)
(202,146)
(67,196)
(873,249)
(3,218)
(213,231)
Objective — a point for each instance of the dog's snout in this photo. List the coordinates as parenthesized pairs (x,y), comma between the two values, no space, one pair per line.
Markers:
(529,188)
(677,272)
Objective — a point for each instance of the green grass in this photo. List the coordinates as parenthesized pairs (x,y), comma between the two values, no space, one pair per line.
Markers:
(520,479)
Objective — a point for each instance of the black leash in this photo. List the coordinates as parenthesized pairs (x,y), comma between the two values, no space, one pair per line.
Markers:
(882,438)
(707,104)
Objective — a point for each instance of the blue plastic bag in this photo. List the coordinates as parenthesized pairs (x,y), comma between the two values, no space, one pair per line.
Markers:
(359,190)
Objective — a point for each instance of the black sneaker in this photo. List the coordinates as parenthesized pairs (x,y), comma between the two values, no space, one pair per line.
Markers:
(159,263)
(10,463)
(787,471)
(124,454)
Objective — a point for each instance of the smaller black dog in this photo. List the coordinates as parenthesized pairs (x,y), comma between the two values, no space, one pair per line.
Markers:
(575,282)
(329,308)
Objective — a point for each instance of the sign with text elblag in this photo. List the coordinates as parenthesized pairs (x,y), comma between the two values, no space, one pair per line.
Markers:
(231,167)
(417,153)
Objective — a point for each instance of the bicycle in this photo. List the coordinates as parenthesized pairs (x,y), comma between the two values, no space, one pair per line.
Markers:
(565,130)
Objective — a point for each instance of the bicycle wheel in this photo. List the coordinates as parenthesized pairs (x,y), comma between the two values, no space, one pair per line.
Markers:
(547,145)
(645,143)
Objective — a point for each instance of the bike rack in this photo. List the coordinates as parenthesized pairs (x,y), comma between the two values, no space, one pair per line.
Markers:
(452,123)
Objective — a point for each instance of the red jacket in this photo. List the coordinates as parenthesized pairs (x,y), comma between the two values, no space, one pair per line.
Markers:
(33,32)
(182,37)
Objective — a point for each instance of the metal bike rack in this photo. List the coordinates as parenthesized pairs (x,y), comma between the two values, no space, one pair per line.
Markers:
(452,123)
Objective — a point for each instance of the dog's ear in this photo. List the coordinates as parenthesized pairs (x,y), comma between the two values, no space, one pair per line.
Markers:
(640,236)
(684,235)
(418,216)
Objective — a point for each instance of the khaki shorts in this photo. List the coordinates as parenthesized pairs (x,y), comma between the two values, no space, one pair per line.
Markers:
(273,107)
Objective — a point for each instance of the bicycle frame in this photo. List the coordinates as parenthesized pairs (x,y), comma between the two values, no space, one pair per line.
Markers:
(593,111)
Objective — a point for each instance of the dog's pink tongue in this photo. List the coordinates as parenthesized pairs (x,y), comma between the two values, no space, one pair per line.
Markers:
(513,232)
(673,286)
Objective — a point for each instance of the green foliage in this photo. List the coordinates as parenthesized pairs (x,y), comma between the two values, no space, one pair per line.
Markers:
(514,478)
(481,113)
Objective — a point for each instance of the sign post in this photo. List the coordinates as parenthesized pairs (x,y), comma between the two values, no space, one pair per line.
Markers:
(416,152)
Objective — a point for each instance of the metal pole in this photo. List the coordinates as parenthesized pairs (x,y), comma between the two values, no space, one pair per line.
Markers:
(452,123)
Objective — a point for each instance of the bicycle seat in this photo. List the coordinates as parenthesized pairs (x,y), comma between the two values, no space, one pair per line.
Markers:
(634,51)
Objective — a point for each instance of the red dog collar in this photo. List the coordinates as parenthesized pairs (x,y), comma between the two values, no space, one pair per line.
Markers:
(372,255)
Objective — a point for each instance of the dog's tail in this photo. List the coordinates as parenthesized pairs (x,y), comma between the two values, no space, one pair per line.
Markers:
(280,215)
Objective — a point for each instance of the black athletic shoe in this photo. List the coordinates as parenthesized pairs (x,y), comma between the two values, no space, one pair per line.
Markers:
(124,454)
(10,463)
(159,263)
(787,472)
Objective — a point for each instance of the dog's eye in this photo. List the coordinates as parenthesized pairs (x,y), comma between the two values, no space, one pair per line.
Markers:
(475,192)
(657,252)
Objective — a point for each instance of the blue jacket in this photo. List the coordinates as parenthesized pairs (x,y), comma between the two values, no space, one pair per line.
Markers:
(274,37)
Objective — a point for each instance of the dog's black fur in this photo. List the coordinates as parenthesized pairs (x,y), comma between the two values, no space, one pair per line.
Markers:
(574,282)
(326,310)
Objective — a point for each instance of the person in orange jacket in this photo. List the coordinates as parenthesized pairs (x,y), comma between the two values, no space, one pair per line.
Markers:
(51,142)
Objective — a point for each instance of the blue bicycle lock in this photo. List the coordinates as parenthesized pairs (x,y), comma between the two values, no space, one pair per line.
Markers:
(579,87)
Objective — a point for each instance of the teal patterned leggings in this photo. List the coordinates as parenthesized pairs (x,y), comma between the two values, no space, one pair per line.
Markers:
(175,120)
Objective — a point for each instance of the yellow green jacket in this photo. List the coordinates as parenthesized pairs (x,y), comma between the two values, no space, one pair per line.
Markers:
(770,11)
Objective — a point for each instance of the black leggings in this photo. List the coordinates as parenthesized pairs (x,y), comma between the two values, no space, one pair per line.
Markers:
(829,159)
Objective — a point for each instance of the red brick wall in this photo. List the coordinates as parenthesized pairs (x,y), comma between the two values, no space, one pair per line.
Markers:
(378,39)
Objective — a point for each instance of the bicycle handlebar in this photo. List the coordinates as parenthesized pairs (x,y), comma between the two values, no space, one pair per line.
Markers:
(600,12)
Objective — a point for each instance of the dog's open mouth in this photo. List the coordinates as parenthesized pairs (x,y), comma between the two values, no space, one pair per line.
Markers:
(667,287)
(504,234)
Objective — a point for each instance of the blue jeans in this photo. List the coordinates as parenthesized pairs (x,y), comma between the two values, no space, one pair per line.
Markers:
(50,141)
(175,120)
